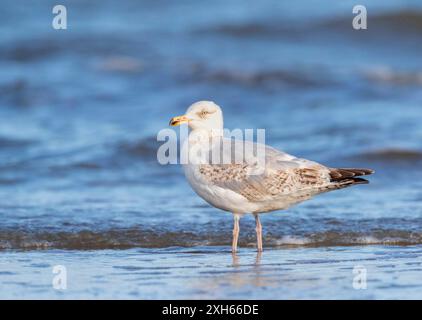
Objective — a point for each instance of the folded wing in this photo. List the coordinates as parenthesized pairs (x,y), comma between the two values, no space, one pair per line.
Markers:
(280,174)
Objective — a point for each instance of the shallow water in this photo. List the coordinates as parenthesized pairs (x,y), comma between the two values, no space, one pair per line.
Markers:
(80,110)
(212,273)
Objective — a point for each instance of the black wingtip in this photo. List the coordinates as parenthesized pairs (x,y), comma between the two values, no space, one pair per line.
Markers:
(340,174)
(359,181)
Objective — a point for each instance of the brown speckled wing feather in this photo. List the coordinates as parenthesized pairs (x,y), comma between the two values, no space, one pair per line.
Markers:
(269,185)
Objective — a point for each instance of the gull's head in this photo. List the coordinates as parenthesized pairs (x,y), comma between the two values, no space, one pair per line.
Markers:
(204,115)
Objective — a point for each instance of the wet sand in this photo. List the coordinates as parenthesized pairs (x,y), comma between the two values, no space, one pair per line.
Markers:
(392,272)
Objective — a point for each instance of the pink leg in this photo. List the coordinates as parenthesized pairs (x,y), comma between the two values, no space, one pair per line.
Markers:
(258,233)
(235,232)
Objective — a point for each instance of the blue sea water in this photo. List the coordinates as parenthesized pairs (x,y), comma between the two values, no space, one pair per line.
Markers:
(80,110)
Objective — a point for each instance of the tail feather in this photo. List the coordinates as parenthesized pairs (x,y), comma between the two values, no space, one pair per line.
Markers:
(343,174)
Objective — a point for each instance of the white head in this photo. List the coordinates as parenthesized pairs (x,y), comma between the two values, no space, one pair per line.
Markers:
(203,115)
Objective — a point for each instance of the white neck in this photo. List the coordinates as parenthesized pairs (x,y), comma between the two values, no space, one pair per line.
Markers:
(205,133)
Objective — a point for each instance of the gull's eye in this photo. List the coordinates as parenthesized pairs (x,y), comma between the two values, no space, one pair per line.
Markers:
(203,113)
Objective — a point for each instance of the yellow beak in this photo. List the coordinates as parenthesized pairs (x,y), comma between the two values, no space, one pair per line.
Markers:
(176,121)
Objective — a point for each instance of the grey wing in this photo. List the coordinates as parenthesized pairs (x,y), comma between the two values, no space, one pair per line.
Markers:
(278,174)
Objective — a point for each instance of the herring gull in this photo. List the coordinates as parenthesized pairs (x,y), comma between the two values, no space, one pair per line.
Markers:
(250,186)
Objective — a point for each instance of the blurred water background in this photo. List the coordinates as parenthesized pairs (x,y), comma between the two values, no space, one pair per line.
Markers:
(80,110)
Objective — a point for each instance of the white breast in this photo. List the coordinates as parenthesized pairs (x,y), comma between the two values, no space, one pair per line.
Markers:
(218,197)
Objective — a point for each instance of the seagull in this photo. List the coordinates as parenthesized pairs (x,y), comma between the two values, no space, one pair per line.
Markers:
(250,186)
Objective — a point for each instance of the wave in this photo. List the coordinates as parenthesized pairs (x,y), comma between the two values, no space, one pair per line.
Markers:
(45,47)
(120,64)
(149,238)
(250,29)
(106,155)
(396,21)
(395,77)
(388,22)
(411,20)
(20,93)
(264,78)
(12,142)
(145,148)
(392,155)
